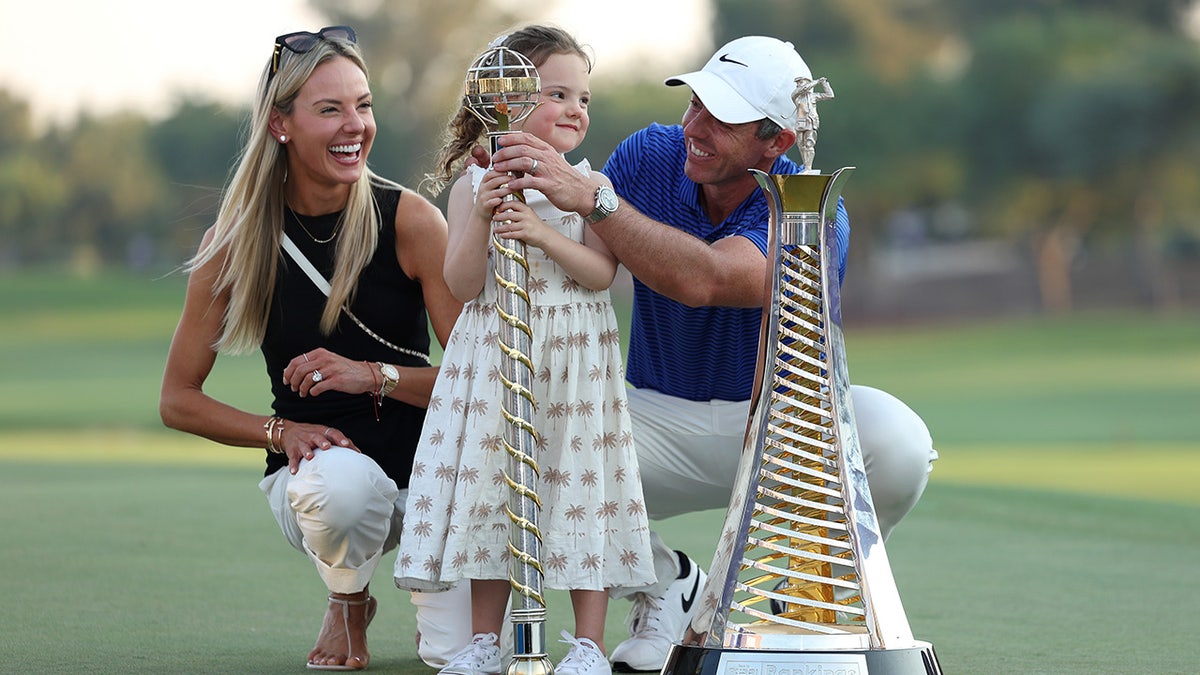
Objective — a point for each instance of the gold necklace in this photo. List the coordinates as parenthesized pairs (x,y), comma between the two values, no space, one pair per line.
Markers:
(310,234)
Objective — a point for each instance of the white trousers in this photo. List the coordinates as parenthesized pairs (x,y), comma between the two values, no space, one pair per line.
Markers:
(343,511)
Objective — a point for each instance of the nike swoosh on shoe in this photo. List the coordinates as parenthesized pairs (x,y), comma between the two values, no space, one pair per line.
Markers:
(691,598)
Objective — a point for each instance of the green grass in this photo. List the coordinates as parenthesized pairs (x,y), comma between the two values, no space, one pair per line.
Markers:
(1007,580)
(1059,534)
(1103,378)
(150,552)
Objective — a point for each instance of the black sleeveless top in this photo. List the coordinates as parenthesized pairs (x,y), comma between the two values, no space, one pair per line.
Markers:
(387,301)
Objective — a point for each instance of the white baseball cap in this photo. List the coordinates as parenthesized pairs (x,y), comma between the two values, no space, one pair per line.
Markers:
(749,79)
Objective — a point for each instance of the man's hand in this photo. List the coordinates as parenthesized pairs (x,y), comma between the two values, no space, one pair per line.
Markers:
(565,187)
(480,157)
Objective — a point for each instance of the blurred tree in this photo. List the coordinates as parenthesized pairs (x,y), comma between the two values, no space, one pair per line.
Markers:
(1070,125)
(115,191)
(196,148)
(888,38)
(1082,120)
(30,184)
(17,129)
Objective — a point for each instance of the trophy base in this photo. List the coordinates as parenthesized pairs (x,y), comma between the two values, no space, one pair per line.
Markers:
(694,660)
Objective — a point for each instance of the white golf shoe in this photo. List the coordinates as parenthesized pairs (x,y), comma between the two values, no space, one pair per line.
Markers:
(657,623)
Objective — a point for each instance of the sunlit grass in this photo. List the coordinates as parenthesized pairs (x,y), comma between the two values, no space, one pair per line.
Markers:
(1153,472)
(124,446)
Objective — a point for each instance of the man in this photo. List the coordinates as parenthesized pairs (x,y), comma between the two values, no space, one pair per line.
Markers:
(691,225)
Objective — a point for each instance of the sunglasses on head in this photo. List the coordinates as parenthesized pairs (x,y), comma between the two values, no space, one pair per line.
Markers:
(302,42)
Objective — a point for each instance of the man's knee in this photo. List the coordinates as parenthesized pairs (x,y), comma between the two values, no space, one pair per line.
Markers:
(898,452)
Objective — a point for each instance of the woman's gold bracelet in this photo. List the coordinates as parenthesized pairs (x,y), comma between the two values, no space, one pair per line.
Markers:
(271,425)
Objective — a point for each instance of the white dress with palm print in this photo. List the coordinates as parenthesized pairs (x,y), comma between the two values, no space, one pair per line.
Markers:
(595,533)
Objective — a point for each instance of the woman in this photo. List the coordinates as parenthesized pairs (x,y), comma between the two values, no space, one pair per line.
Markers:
(348,364)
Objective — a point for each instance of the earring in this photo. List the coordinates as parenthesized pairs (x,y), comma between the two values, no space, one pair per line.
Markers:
(282,138)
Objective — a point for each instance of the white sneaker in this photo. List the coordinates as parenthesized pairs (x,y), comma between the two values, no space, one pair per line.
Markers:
(585,658)
(657,623)
(481,657)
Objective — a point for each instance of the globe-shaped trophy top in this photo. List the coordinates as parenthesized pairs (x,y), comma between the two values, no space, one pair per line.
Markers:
(501,88)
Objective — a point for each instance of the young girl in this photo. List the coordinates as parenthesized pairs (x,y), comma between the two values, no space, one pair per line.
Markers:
(593,521)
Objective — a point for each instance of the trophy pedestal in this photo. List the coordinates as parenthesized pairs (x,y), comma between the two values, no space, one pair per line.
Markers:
(695,660)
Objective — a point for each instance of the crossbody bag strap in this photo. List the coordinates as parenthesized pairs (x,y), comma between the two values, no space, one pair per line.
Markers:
(321,283)
(301,260)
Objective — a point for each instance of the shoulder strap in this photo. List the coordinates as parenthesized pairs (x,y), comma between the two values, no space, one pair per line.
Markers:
(320,282)
(301,260)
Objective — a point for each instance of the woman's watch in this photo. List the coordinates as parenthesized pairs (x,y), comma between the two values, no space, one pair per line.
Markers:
(605,203)
(391,377)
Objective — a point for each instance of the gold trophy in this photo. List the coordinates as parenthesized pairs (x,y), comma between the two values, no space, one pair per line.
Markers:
(800,582)
(501,89)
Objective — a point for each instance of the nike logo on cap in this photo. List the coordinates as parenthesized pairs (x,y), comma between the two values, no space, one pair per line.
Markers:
(725,58)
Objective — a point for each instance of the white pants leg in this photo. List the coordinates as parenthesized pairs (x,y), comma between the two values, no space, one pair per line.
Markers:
(341,510)
(443,623)
(688,453)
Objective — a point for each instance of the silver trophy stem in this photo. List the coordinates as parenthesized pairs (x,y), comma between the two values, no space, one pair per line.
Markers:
(520,441)
(502,87)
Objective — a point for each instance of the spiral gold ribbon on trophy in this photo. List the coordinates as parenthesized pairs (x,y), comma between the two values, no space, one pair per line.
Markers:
(501,89)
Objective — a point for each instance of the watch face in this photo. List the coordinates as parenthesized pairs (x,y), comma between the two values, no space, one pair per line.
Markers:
(389,371)
(607,199)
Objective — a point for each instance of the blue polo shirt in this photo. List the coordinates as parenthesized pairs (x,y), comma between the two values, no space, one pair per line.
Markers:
(696,353)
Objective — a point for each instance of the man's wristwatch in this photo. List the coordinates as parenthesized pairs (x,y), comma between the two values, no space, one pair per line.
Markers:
(391,377)
(606,203)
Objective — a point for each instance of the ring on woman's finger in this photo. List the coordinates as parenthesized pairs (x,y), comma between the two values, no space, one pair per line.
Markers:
(317,376)
(533,167)
(326,432)
(306,356)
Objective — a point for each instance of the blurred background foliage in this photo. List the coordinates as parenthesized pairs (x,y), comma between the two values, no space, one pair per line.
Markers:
(1023,156)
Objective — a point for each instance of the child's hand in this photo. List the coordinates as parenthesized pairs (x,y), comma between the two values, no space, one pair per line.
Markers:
(515,220)
(492,191)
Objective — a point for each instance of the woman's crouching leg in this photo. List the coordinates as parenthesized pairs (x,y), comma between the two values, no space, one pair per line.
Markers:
(345,510)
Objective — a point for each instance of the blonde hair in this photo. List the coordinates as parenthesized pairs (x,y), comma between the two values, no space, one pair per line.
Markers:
(464,130)
(249,226)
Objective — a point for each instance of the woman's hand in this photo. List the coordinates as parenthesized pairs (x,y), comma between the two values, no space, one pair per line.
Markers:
(321,370)
(302,441)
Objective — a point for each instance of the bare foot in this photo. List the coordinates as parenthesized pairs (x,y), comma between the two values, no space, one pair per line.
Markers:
(342,643)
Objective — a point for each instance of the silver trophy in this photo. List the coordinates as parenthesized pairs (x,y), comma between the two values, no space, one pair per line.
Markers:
(502,89)
(800,582)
